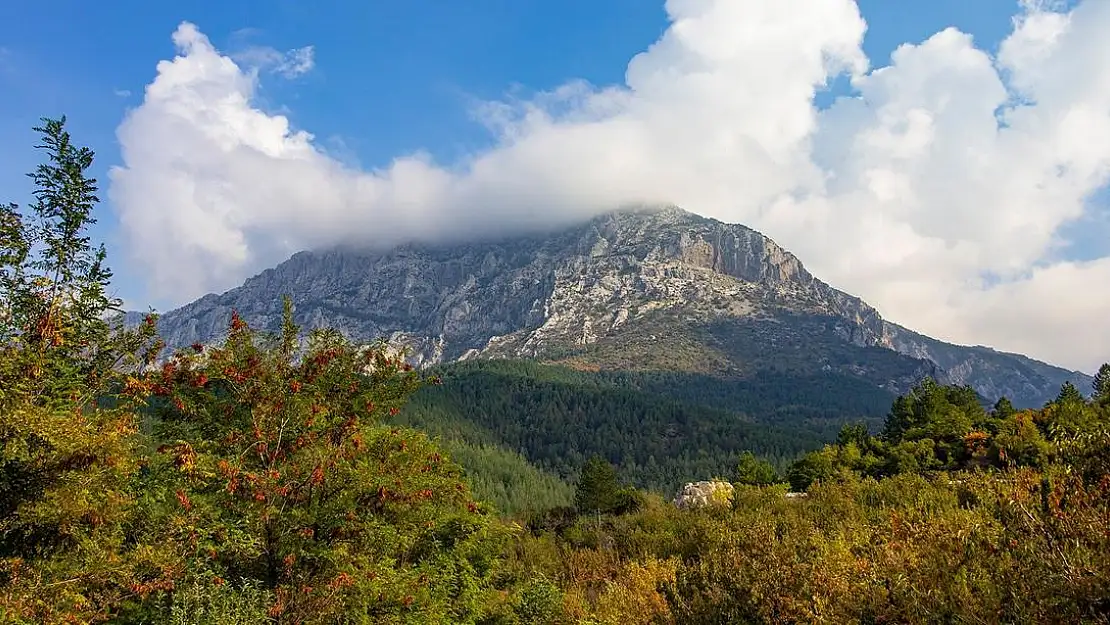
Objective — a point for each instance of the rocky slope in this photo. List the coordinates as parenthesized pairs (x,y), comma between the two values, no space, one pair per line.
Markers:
(636,288)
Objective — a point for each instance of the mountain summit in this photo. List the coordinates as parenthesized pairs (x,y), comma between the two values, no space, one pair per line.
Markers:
(639,288)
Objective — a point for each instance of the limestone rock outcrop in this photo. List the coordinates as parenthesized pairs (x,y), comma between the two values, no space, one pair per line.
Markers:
(705,493)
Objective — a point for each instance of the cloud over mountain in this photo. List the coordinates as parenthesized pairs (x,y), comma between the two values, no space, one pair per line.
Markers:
(937,192)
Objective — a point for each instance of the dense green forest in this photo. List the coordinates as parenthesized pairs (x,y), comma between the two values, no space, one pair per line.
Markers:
(272,479)
(659,428)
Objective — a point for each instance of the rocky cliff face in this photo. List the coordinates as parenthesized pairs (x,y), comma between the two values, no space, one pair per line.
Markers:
(678,290)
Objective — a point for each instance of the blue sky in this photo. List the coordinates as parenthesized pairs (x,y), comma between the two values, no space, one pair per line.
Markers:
(391,78)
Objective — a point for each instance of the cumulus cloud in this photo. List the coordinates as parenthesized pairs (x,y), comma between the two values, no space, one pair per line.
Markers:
(937,191)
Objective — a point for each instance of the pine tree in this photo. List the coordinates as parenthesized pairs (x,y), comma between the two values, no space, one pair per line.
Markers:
(1003,409)
(1101,385)
(1069,394)
(598,490)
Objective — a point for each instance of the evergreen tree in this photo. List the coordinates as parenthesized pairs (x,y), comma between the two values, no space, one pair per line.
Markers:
(1069,394)
(597,489)
(1003,409)
(939,415)
(1101,385)
(854,433)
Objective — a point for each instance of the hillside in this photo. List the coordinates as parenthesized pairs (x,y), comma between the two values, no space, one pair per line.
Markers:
(660,428)
(643,289)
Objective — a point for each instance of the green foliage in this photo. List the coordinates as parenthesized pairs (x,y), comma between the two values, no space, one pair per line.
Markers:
(931,410)
(938,428)
(665,427)
(1023,546)
(1068,393)
(1101,386)
(1020,443)
(1003,409)
(755,472)
(813,467)
(1070,413)
(598,489)
(211,601)
(66,461)
(1087,453)
(52,281)
(507,480)
(262,486)
(539,602)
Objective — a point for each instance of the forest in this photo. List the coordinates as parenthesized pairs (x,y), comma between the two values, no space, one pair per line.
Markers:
(300,478)
(557,418)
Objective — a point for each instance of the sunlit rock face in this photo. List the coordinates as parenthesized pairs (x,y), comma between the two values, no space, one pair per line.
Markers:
(649,281)
(702,494)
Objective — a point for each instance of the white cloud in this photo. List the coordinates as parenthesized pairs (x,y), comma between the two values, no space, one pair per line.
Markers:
(290,64)
(908,194)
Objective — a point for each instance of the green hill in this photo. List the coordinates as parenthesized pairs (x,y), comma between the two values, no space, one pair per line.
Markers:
(659,428)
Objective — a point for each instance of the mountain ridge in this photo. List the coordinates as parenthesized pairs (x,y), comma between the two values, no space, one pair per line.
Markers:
(725,293)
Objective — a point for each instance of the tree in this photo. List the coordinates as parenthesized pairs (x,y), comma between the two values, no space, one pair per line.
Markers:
(1003,409)
(1068,393)
(53,281)
(1069,414)
(754,471)
(1101,385)
(263,485)
(597,489)
(937,413)
(284,479)
(812,467)
(68,445)
(1019,442)
(854,433)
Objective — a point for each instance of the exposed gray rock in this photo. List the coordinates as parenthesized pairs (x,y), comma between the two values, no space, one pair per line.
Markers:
(591,285)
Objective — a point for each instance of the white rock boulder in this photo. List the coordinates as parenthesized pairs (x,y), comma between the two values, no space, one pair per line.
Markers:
(701,494)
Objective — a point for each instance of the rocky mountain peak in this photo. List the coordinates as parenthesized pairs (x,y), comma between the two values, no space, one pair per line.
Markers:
(675,289)
(662,233)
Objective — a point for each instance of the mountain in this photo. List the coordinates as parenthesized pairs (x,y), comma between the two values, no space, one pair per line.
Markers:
(638,289)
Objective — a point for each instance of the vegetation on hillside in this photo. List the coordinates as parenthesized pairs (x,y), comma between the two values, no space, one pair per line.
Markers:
(660,428)
(736,347)
(261,481)
(952,513)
